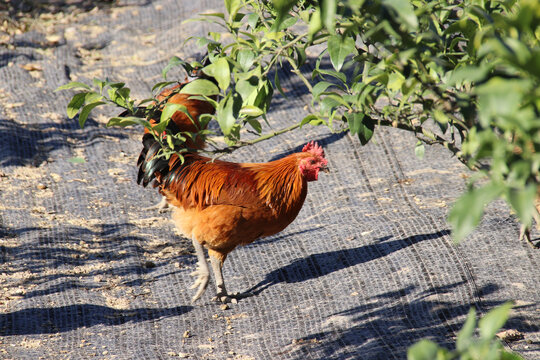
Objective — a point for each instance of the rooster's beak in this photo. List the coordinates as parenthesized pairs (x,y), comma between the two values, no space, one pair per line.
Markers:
(325,169)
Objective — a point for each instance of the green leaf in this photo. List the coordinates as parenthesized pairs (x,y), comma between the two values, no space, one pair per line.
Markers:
(465,335)
(301,56)
(287,22)
(200,87)
(494,320)
(423,350)
(117,85)
(419,150)
(128,121)
(469,74)
(227,112)
(170,141)
(232,7)
(160,85)
(278,84)
(274,35)
(366,130)
(252,20)
(328,14)
(99,83)
(86,111)
(256,125)
(328,104)
(282,7)
(336,74)
(245,59)
(468,209)
(77,160)
(73,85)
(315,23)
(75,104)
(339,47)
(247,88)
(319,88)
(501,97)
(218,15)
(169,110)
(404,11)
(505,355)
(355,122)
(264,95)
(523,202)
(92,97)
(251,110)
(395,81)
(219,71)
(308,119)
(174,61)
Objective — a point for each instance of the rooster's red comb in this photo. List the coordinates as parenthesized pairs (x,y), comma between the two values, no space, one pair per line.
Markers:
(313,148)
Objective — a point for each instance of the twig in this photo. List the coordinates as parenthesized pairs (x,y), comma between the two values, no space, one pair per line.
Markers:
(240,144)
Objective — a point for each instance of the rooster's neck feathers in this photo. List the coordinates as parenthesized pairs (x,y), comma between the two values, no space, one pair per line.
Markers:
(280,184)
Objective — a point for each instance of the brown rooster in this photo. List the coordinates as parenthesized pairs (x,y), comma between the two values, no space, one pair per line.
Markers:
(220,205)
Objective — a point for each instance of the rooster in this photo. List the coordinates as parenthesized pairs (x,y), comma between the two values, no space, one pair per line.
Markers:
(221,205)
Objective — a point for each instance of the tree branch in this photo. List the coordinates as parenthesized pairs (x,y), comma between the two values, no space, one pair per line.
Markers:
(240,144)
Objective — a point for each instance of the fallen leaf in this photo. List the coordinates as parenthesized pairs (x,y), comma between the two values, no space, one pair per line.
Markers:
(31,67)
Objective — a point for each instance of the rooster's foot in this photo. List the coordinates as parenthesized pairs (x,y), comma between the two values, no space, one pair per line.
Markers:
(230,298)
(201,282)
(225,298)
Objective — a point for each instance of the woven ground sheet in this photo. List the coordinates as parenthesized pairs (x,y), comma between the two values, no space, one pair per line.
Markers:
(367,269)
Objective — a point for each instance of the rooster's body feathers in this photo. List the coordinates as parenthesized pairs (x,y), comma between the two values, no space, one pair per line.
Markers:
(223,204)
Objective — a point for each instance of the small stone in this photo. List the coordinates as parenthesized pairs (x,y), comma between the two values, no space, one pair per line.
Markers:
(224,307)
(41,186)
(510,335)
(187,334)
(148,264)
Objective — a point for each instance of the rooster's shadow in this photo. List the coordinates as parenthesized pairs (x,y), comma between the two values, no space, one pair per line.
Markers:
(322,264)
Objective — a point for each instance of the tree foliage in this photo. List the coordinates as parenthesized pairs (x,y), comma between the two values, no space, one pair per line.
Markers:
(468,346)
(460,73)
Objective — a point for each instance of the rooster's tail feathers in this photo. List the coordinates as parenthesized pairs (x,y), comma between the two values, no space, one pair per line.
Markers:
(149,163)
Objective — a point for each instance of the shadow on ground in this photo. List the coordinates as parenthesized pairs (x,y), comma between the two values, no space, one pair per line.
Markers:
(71,317)
(31,144)
(310,266)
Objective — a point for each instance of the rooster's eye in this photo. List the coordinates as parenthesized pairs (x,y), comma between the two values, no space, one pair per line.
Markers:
(312,161)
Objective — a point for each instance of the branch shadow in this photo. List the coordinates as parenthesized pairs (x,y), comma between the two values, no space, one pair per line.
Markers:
(17,9)
(71,317)
(81,258)
(386,325)
(31,144)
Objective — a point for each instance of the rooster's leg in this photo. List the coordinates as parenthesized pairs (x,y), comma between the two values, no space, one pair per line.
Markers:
(221,292)
(202,272)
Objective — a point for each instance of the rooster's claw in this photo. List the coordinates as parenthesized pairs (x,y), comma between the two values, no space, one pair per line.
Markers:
(226,298)
(231,298)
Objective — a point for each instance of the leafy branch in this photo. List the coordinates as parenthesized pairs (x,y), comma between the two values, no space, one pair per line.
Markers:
(469,67)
